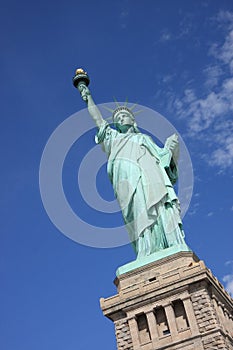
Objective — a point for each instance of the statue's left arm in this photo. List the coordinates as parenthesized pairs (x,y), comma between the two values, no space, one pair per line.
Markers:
(170,157)
(172,144)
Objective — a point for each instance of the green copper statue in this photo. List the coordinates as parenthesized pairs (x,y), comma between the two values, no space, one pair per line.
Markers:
(142,175)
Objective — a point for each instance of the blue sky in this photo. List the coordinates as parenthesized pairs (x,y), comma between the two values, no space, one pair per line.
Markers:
(175,57)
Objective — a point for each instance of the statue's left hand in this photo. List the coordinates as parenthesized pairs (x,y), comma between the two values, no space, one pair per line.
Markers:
(172,142)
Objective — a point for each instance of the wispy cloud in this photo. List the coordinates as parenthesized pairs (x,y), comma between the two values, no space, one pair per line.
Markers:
(193,209)
(213,74)
(210,115)
(186,25)
(168,78)
(224,52)
(165,36)
(197,194)
(229,262)
(228,280)
(224,18)
(124,14)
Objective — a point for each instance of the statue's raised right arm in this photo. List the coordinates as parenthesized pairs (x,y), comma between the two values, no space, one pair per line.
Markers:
(81,81)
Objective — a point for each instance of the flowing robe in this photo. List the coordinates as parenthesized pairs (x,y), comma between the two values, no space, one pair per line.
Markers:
(142,175)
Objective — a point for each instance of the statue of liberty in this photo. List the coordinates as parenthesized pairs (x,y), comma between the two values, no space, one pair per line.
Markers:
(142,175)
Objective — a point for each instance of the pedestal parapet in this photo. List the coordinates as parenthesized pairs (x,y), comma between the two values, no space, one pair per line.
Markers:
(172,303)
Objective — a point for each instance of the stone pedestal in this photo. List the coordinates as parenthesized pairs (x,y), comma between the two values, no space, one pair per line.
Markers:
(173,303)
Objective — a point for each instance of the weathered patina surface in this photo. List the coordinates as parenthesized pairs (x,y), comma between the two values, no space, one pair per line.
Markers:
(142,175)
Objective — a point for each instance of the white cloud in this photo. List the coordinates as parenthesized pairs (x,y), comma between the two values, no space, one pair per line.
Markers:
(223,157)
(189,96)
(204,111)
(229,262)
(186,25)
(224,52)
(210,115)
(193,209)
(213,74)
(165,36)
(168,78)
(124,14)
(228,280)
(225,18)
(197,194)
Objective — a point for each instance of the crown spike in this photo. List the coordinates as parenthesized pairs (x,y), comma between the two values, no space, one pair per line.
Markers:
(126,101)
(109,109)
(137,112)
(116,102)
(134,105)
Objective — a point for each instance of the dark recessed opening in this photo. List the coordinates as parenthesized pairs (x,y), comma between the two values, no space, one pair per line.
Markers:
(152,279)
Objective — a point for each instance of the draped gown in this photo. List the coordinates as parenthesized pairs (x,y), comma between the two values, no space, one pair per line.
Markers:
(142,175)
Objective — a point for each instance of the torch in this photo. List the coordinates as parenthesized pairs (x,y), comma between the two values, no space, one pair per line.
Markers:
(80,77)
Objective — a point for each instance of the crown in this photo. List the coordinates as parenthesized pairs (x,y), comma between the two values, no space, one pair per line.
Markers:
(120,109)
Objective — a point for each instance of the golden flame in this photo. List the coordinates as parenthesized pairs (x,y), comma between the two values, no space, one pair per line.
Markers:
(80,71)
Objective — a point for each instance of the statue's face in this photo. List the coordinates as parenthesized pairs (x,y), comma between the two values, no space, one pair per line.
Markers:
(124,118)
(123,121)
